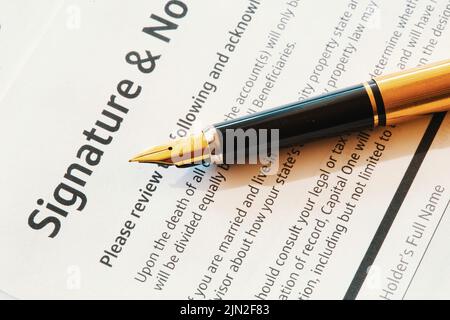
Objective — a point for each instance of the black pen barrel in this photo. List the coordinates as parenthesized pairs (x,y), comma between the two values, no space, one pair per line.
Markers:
(350,109)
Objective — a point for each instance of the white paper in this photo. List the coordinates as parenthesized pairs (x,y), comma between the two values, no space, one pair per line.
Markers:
(22,24)
(67,81)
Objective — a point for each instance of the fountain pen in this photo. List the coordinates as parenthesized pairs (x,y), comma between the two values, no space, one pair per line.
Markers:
(384,100)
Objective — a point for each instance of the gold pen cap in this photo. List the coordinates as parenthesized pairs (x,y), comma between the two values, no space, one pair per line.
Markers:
(415,92)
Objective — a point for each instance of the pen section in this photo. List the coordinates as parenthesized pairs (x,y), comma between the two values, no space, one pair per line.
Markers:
(331,114)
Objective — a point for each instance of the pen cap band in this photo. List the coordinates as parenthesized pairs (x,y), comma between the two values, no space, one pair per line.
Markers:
(416,92)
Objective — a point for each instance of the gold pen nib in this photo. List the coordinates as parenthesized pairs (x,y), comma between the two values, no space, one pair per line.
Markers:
(180,152)
(159,154)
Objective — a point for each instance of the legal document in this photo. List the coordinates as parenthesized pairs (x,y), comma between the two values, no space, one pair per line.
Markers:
(360,216)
